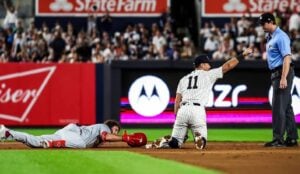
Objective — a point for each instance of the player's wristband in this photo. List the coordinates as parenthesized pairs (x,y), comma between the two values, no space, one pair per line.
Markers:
(103,136)
(240,57)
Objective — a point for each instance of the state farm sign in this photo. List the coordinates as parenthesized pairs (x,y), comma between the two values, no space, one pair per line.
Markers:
(115,7)
(229,8)
(52,94)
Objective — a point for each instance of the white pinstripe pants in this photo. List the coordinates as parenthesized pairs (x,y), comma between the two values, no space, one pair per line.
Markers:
(189,116)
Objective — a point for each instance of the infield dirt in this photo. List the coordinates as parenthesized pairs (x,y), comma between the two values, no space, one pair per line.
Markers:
(227,157)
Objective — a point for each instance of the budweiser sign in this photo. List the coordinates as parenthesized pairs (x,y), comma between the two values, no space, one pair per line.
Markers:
(24,97)
(119,8)
(47,94)
(229,8)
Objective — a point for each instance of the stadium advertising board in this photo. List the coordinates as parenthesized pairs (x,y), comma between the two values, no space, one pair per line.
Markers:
(229,8)
(47,94)
(242,96)
(119,8)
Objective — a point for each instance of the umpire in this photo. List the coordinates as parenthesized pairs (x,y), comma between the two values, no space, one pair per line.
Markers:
(282,75)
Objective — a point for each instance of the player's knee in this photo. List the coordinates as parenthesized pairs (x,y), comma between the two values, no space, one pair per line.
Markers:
(174,143)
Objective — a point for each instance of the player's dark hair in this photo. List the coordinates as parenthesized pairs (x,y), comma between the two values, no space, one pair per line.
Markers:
(112,123)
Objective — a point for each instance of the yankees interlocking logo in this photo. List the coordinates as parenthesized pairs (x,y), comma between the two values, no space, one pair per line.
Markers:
(21,90)
(149,96)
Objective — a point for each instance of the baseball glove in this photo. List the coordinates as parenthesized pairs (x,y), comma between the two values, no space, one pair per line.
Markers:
(135,140)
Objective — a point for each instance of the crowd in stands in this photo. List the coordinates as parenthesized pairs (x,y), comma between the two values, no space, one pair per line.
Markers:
(137,42)
(229,40)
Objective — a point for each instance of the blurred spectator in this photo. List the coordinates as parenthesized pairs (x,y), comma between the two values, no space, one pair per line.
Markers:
(218,54)
(72,56)
(64,44)
(2,46)
(108,53)
(227,43)
(46,34)
(166,18)
(188,49)
(255,55)
(294,22)
(58,46)
(211,44)
(278,17)
(11,18)
(120,53)
(229,29)
(19,26)
(91,22)
(18,45)
(83,48)
(144,47)
(9,39)
(106,22)
(173,51)
(242,24)
(159,43)
(285,16)
(205,32)
(296,45)
(96,54)
(260,37)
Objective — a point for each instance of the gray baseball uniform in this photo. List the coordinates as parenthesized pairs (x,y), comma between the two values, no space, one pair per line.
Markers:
(75,136)
(194,89)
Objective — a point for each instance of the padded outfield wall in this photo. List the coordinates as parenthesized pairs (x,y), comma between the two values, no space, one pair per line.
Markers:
(133,92)
(144,93)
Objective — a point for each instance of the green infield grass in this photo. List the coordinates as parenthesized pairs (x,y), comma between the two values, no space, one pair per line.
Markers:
(89,162)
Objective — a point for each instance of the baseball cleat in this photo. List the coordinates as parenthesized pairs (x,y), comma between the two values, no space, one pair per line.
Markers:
(3,130)
(46,144)
(200,142)
(53,143)
(291,142)
(275,143)
(159,143)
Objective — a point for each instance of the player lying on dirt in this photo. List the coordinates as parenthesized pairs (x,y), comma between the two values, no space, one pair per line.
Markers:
(75,136)
(191,97)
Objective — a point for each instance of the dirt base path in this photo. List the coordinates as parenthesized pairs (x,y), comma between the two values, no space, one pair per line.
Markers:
(227,157)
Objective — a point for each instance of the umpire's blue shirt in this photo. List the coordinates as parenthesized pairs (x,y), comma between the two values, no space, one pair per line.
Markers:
(277,48)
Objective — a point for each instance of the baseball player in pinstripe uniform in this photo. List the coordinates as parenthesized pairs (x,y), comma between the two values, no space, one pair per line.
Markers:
(192,95)
(75,136)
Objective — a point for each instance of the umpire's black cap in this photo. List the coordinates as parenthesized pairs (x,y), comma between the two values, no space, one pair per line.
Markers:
(266,17)
(201,59)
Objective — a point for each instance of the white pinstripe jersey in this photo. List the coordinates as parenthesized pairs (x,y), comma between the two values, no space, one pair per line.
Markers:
(196,86)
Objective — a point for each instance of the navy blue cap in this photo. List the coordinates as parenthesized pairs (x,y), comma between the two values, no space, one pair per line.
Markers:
(266,17)
(201,59)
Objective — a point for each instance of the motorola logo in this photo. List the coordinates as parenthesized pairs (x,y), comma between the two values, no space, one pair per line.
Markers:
(149,95)
(295,95)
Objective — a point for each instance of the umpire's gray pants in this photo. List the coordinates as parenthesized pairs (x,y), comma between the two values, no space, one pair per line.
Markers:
(282,111)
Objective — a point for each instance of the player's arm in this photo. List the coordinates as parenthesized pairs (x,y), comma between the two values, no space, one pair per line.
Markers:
(285,70)
(178,99)
(231,63)
(113,137)
(137,139)
(105,136)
